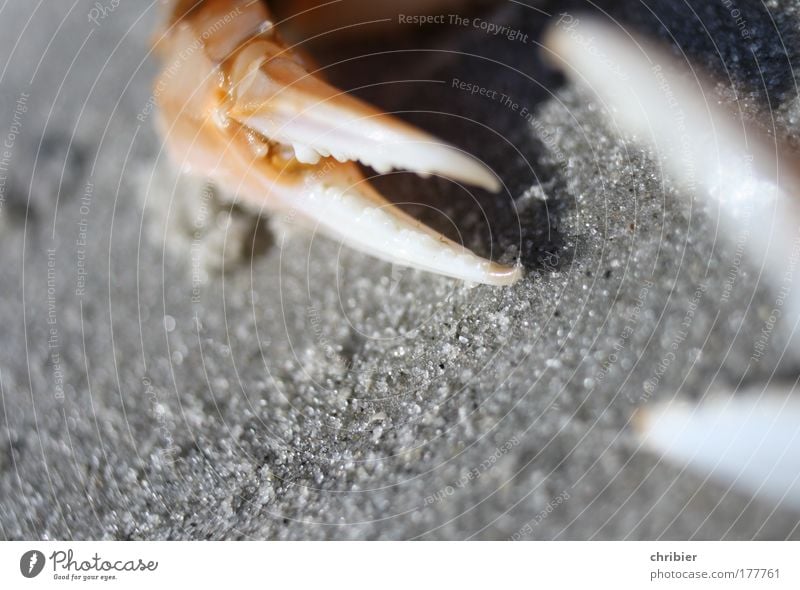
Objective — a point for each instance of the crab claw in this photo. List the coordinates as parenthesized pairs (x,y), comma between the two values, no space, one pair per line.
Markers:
(708,149)
(250,116)
(275,95)
(750,440)
(345,206)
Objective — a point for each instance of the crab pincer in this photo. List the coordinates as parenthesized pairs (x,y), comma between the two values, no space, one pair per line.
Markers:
(240,107)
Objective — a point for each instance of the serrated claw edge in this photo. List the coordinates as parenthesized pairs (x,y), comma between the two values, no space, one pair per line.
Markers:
(238,106)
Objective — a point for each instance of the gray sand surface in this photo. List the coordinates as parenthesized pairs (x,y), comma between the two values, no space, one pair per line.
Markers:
(191,373)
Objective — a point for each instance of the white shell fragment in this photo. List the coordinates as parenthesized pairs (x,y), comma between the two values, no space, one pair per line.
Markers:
(750,441)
